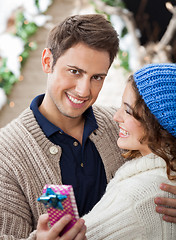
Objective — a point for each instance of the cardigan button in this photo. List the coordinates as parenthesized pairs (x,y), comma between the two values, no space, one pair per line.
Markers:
(53,150)
(75,144)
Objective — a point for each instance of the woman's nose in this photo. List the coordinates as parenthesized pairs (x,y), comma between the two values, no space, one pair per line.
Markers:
(118,117)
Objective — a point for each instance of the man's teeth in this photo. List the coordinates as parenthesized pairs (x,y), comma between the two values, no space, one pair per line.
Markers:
(124,132)
(74,100)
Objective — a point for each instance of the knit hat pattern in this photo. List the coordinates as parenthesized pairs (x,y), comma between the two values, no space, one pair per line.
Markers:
(157,86)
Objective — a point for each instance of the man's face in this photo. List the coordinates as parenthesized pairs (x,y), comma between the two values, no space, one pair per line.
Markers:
(76,80)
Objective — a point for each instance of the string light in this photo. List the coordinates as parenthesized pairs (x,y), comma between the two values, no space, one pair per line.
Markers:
(30,44)
(124,54)
(21,77)
(26,22)
(20,58)
(11,104)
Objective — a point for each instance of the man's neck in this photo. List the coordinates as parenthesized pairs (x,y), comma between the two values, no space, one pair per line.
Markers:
(72,126)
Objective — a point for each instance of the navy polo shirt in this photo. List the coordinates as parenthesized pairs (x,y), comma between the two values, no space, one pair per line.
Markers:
(81,165)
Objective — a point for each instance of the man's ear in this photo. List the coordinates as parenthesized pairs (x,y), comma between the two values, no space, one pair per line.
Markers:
(47,60)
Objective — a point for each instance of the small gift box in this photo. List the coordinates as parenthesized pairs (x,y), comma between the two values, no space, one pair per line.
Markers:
(60,200)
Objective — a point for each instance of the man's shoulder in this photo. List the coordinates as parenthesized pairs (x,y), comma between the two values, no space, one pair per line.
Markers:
(104,111)
(23,115)
(14,128)
(104,117)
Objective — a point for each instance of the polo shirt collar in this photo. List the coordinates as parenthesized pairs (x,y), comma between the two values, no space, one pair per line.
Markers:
(49,128)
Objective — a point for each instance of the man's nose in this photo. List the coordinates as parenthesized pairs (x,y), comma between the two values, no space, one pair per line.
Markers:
(83,87)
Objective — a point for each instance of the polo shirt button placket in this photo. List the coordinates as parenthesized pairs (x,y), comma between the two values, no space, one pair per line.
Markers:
(75,143)
(53,150)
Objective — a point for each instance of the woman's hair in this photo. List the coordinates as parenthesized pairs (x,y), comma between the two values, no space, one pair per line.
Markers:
(159,140)
(93,30)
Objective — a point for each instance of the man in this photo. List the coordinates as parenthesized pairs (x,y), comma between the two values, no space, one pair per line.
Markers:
(61,139)
(167,206)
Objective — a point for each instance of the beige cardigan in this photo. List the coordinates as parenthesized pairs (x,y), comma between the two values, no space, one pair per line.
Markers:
(28,161)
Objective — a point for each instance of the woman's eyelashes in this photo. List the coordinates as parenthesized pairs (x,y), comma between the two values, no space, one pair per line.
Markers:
(128,109)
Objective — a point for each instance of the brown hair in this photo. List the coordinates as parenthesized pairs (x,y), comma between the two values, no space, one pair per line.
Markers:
(91,29)
(159,140)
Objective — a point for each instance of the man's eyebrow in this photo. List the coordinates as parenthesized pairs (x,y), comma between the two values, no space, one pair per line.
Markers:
(83,71)
(101,74)
(77,68)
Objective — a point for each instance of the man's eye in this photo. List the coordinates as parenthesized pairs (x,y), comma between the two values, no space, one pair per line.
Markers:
(97,77)
(74,71)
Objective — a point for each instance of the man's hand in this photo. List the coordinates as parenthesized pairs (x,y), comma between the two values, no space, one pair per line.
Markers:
(169,204)
(77,232)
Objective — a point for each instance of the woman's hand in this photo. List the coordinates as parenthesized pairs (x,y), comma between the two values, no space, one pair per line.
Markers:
(77,232)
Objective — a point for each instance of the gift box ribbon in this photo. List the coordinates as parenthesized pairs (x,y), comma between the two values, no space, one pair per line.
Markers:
(52,199)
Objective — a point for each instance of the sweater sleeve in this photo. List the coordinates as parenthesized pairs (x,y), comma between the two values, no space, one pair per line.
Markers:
(19,189)
(113,217)
(10,230)
(16,218)
(128,209)
(32,236)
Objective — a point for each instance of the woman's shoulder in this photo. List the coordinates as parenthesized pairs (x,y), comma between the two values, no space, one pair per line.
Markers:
(142,177)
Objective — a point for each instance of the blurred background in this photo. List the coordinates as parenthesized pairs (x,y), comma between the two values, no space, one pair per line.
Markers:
(146,28)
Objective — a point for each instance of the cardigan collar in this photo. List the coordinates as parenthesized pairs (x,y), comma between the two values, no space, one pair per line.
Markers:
(137,165)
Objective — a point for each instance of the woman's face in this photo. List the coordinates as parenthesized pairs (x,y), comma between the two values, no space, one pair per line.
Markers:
(131,130)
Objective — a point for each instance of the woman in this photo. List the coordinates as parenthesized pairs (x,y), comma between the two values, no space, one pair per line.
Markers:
(147,123)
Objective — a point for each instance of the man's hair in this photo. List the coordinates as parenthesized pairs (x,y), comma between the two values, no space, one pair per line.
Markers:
(159,140)
(91,29)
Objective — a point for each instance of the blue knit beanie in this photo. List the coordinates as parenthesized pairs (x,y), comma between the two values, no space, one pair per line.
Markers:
(157,86)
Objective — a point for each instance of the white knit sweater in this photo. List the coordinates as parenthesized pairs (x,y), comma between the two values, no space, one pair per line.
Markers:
(127,210)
